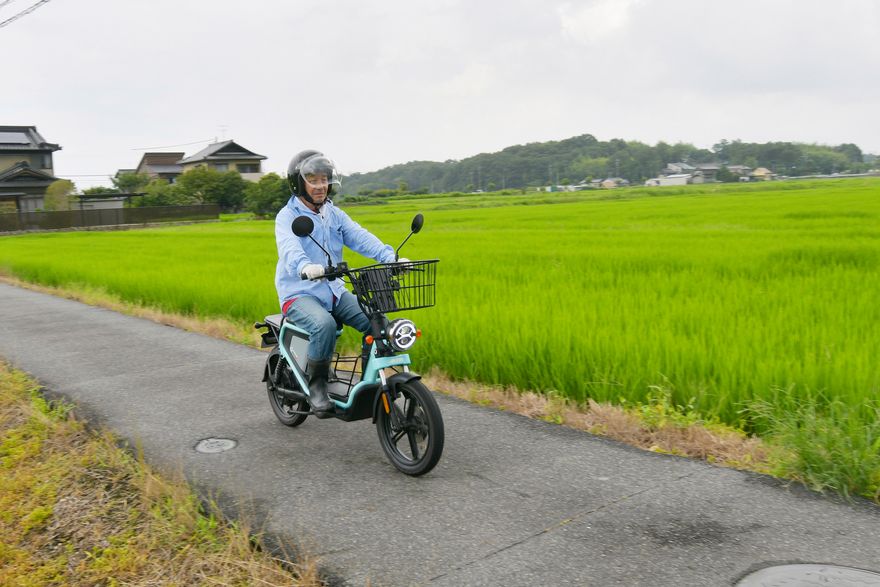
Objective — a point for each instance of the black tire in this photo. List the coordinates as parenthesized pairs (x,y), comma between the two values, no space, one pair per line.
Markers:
(416,447)
(283,407)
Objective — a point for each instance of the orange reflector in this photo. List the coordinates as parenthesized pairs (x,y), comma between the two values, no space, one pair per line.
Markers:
(369,339)
(418,333)
(385,401)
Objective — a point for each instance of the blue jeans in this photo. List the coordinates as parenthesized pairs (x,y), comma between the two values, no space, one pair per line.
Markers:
(308,313)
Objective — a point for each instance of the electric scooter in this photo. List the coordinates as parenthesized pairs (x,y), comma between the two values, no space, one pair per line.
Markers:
(378,383)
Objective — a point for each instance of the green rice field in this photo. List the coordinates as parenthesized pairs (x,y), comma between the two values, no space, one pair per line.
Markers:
(749,304)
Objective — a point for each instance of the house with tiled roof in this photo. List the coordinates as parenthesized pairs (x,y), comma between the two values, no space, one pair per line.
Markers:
(160,166)
(26,168)
(227,156)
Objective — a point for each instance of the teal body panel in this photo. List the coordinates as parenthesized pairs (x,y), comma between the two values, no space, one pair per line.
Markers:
(285,352)
(370,376)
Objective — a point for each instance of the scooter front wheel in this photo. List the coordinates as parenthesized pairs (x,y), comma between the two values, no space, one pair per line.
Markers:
(413,441)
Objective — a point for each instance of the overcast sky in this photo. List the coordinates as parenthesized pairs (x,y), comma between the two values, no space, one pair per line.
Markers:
(377,83)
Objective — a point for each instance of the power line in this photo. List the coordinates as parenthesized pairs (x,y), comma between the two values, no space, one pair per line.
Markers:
(24,12)
(169,146)
(5,2)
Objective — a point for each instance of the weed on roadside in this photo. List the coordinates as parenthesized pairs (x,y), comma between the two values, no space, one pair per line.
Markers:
(833,446)
(77,510)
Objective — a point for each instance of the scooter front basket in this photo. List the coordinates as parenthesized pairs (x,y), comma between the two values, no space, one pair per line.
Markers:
(393,287)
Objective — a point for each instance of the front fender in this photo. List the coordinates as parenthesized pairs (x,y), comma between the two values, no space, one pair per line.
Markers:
(393,382)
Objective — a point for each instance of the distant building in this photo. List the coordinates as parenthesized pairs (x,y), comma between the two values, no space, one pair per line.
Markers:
(707,172)
(227,156)
(26,168)
(741,170)
(576,187)
(762,174)
(160,166)
(102,201)
(677,169)
(614,182)
(675,179)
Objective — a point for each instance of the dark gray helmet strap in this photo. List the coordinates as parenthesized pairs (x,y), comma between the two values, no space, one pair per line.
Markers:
(305,196)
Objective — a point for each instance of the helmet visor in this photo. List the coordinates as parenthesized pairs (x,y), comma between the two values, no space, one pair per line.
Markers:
(319,171)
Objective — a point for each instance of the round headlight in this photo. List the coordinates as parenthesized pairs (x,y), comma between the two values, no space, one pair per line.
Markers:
(402,334)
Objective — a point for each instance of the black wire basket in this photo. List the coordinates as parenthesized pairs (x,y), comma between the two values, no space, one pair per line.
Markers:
(393,287)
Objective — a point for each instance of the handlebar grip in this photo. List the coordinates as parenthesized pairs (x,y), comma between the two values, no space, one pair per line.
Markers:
(328,271)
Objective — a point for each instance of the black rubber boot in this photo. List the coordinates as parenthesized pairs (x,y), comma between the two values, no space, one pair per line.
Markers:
(318,398)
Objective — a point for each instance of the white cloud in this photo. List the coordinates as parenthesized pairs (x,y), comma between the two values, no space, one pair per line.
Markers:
(378,83)
(594,21)
(473,81)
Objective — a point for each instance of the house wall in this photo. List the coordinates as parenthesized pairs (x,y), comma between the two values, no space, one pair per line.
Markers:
(247,164)
(101,204)
(32,199)
(31,203)
(674,180)
(231,165)
(35,160)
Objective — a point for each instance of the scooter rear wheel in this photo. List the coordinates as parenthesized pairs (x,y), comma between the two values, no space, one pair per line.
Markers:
(415,445)
(284,408)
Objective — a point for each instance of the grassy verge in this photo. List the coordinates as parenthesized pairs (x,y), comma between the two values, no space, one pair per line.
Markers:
(77,510)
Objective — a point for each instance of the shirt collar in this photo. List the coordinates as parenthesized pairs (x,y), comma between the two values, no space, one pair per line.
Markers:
(296,205)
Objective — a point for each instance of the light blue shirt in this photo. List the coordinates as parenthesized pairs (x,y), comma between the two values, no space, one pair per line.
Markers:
(333,229)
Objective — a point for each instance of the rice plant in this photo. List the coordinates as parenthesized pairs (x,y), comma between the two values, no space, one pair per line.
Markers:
(724,295)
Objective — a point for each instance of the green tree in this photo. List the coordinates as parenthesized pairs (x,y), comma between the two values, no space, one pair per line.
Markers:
(98,190)
(852,152)
(587,167)
(266,196)
(725,175)
(536,164)
(131,182)
(58,195)
(204,185)
(161,193)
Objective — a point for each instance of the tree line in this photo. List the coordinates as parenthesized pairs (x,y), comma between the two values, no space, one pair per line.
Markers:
(584,158)
(574,160)
(202,185)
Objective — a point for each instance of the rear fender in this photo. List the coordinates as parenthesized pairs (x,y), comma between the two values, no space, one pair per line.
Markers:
(273,353)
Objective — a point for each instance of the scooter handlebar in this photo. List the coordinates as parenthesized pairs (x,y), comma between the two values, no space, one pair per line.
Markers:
(330,272)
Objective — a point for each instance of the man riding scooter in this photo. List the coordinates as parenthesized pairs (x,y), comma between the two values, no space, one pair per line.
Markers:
(311,303)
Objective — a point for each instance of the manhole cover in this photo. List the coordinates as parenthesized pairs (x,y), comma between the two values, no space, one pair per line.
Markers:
(810,575)
(212,445)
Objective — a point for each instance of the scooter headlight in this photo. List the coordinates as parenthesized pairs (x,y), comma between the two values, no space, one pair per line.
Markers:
(402,334)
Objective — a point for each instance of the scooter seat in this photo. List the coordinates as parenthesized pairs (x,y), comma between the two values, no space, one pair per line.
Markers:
(275,320)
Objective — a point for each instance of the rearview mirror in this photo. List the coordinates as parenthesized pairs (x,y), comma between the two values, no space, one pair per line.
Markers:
(303,226)
(417,223)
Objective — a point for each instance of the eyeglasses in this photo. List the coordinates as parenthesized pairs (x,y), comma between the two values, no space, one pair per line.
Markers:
(316,179)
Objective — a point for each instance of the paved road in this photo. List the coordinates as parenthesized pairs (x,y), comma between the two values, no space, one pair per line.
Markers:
(512,502)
